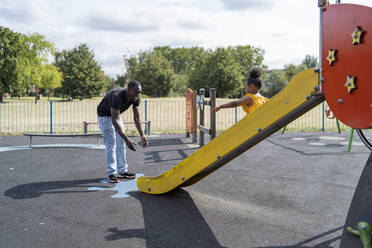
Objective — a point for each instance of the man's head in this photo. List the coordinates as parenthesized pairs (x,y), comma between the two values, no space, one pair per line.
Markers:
(134,90)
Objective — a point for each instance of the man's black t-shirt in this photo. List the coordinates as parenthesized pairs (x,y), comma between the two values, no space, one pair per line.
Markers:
(117,99)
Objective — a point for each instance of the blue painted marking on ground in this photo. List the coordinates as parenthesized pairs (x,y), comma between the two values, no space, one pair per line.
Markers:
(122,188)
(14,148)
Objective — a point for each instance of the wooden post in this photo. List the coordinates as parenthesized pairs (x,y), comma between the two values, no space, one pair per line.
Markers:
(191,112)
(194,119)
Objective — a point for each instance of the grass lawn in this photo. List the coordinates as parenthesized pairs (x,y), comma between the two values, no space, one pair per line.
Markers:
(167,115)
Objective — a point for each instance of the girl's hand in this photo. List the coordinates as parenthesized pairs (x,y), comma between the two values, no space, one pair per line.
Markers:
(215,109)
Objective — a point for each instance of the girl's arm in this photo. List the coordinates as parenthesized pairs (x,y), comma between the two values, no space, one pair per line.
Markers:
(245,100)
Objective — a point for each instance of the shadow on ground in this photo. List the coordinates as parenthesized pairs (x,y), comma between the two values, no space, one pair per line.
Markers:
(323,244)
(166,155)
(165,142)
(336,153)
(171,220)
(33,190)
(167,152)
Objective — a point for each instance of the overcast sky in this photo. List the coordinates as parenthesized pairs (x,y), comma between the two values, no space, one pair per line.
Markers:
(286,30)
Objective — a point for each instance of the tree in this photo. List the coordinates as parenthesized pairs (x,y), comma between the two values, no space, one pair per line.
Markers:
(51,77)
(182,59)
(154,72)
(274,83)
(310,61)
(120,80)
(9,52)
(277,80)
(108,83)
(24,62)
(291,69)
(34,66)
(247,57)
(219,70)
(195,67)
(82,75)
(180,85)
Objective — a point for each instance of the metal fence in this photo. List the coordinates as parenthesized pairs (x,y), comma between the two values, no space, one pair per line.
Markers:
(166,116)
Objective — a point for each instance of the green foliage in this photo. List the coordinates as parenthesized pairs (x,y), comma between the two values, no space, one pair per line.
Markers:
(109,83)
(180,85)
(9,52)
(195,67)
(24,62)
(292,69)
(51,77)
(34,65)
(277,80)
(273,83)
(220,70)
(310,61)
(182,59)
(247,57)
(154,72)
(120,80)
(81,73)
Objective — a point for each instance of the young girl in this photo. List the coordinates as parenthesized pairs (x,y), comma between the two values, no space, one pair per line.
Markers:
(252,99)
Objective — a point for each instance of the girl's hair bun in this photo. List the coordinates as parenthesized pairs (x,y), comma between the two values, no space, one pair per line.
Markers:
(255,72)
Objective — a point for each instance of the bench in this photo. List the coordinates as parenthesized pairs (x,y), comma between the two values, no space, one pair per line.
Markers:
(147,126)
(63,135)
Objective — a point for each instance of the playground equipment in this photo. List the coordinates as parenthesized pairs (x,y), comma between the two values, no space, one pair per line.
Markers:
(297,98)
(346,54)
(193,103)
(343,80)
(191,115)
(212,103)
(330,115)
(360,214)
(305,91)
(147,126)
(63,135)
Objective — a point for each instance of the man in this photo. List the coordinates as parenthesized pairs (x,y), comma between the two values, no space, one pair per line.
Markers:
(114,103)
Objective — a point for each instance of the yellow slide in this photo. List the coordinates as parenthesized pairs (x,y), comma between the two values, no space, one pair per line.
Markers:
(296,99)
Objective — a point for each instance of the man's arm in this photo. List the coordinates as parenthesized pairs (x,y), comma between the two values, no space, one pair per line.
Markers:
(137,121)
(245,100)
(115,114)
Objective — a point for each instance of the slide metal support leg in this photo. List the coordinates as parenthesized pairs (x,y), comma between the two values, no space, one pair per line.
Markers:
(350,140)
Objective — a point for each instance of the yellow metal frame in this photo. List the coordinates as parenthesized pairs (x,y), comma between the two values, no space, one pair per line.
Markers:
(297,92)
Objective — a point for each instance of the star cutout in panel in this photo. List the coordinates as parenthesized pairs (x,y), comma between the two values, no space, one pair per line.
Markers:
(331,56)
(350,84)
(357,35)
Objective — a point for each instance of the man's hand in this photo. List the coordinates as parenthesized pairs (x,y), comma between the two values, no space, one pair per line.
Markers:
(144,141)
(131,145)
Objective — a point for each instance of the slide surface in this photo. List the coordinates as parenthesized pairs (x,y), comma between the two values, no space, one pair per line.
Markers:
(253,128)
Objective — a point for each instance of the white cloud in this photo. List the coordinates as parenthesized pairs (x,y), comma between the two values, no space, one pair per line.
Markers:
(124,25)
(287,30)
(247,4)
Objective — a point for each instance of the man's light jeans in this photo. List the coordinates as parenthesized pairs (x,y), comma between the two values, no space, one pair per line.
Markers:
(116,159)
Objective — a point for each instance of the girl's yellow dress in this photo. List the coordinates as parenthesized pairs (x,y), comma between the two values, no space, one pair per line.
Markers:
(258,100)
